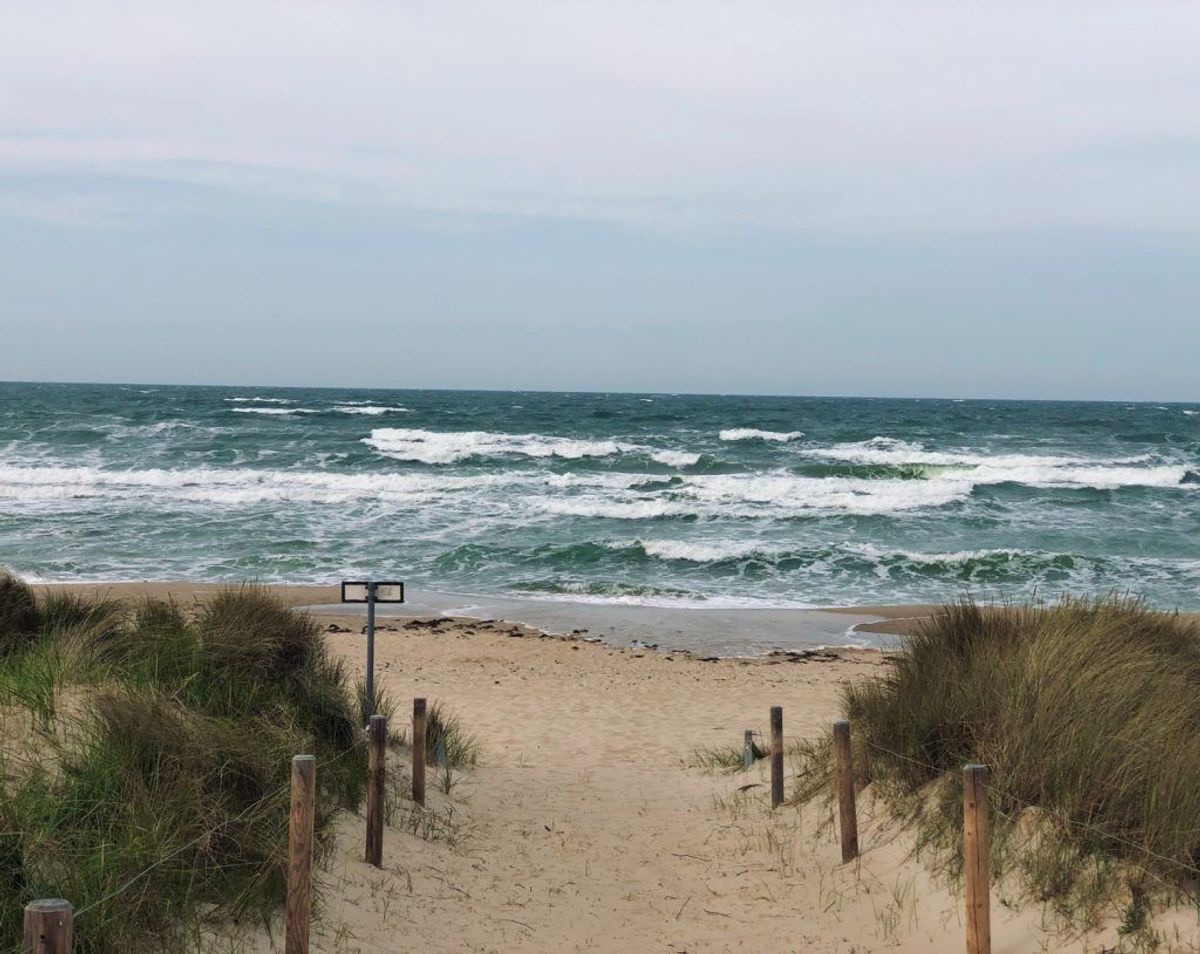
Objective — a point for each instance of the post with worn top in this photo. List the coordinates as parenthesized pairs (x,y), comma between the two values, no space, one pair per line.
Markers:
(300,854)
(418,747)
(49,926)
(776,756)
(748,750)
(847,812)
(377,734)
(975,860)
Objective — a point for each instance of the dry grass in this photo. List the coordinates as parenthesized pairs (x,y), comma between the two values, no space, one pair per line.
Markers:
(1088,716)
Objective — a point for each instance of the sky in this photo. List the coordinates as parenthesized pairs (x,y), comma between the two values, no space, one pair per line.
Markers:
(934,198)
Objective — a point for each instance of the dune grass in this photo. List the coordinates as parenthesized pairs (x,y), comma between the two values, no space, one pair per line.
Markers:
(144,759)
(726,759)
(1088,716)
(444,731)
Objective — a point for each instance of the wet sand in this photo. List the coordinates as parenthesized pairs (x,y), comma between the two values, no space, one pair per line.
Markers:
(716,631)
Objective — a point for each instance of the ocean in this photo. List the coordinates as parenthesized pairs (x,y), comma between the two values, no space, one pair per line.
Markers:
(656,499)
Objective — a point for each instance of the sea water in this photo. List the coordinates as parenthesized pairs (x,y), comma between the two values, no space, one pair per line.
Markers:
(659,499)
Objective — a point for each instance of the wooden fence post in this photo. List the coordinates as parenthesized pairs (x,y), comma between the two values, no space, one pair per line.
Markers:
(48,927)
(776,756)
(847,811)
(748,750)
(975,858)
(300,853)
(377,733)
(418,748)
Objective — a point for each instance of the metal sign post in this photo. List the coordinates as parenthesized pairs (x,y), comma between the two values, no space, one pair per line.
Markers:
(370,592)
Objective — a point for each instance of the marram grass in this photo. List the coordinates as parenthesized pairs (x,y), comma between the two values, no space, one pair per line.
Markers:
(137,733)
(1087,714)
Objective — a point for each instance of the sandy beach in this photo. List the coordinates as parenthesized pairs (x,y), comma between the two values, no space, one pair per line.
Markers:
(587,825)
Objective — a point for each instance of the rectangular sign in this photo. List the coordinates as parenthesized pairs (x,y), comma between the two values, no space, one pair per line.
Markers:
(356,592)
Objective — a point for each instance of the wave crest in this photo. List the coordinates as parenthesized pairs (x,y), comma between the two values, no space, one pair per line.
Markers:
(449,447)
(1045,471)
(734,434)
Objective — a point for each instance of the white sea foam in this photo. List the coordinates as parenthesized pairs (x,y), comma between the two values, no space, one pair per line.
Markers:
(257,400)
(280,411)
(1191,413)
(607,508)
(448,447)
(371,409)
(754,434)
(675,458)
(240,486)
(770,496)
(695,551)
(875,553)
(1034,470)
(786,495)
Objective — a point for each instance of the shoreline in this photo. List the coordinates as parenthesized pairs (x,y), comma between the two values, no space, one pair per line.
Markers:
(727,632)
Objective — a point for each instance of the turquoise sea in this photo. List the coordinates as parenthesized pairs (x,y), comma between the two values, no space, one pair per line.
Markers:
(662,499)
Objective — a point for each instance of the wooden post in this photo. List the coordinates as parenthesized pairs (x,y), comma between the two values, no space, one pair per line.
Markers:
(748,750)
(975,852)
(300,853)
(418,747)
(847,812)
(377,734)
(49,927)
(776,756)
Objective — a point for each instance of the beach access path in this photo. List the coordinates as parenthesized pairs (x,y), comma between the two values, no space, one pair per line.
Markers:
(586,827)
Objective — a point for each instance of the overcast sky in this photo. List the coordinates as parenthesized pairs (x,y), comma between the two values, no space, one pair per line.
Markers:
(924,198)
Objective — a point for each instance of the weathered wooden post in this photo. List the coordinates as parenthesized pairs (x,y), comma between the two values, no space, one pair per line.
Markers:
(300,854)
(418,748)
(377,733)
(748,750)
(776,756)
(48,927)
(847,812)
(975,858)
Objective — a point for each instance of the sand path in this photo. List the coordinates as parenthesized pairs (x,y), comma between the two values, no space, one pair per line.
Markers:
(583,829)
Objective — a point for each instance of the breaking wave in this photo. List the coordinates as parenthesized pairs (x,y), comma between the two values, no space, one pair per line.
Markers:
(1033,470)
(441,447)
(754,434)
(449,447)
(371,409)
(277,411)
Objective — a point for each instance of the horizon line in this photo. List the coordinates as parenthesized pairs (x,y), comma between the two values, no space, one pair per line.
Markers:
(750,394)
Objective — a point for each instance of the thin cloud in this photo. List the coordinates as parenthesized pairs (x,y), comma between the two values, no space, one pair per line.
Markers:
(873,117)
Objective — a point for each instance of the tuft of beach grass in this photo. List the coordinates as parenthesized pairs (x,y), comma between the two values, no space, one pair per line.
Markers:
(144,759)
(1087,714)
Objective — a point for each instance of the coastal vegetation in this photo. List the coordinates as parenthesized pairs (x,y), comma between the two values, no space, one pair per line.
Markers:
(1087,714)
(144,759)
